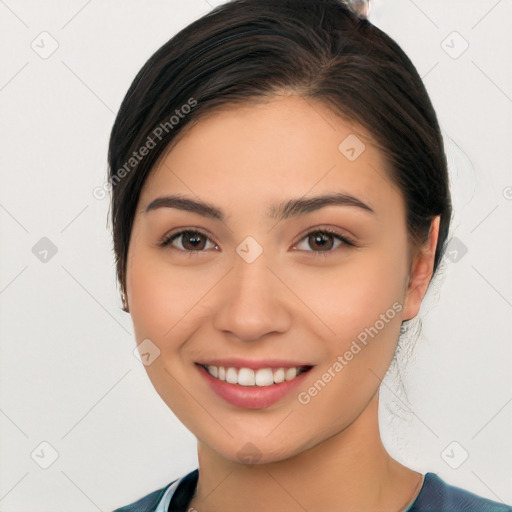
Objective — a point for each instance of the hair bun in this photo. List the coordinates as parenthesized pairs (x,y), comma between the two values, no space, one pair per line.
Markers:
(361,8)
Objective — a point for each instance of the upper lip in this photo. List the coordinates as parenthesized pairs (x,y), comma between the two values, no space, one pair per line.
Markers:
(253,364)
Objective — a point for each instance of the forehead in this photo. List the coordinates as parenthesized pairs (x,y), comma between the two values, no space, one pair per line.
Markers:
(286,146)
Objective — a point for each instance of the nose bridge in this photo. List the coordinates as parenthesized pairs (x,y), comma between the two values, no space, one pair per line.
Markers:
(252,277)
(253,281)
(251,260)
(251,305)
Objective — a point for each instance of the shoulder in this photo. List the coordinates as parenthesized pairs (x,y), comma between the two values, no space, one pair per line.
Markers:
(147,503)
(437,495)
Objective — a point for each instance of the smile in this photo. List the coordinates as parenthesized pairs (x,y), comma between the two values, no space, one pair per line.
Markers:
(261,377)
(263,385)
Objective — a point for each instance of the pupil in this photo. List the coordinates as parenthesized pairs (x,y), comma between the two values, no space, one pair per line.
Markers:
(321,239)
(194,238)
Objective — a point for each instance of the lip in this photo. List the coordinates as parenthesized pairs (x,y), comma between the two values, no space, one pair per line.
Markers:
(252,363)
(251,397)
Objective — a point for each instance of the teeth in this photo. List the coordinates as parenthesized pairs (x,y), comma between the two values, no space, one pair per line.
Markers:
(232,376)
(248,377)
(290,373)
(264,377)
(279,375)
(245,377)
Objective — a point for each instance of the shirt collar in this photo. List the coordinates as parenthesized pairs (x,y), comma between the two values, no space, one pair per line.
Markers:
(163,504)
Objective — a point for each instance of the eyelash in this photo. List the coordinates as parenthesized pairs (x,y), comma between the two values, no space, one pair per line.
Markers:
(166,241)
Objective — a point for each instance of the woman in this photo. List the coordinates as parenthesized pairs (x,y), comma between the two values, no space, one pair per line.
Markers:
(280,204)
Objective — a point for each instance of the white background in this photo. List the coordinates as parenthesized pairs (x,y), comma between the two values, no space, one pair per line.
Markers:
(68,374)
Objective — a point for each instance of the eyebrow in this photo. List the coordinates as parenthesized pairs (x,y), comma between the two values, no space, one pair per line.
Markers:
(281,211)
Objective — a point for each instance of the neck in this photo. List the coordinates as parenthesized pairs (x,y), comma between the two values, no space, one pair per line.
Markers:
(348,471)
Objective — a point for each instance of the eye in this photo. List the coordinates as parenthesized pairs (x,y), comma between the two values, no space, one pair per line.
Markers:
(191,241)
(319,239)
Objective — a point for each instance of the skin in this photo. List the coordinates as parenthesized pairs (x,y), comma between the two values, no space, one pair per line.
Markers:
(287,304)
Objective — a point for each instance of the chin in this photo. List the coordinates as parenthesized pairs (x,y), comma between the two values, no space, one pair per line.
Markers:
(254,452)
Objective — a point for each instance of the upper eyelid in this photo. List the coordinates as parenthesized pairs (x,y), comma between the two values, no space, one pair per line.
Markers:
(336,232)
(168,239)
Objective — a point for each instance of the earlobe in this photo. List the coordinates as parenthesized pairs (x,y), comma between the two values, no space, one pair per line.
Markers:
(421,272)
(125,303)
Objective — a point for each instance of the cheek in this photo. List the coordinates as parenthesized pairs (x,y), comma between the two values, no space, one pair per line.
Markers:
(161,301)
(351,296)
(374,311)
(361,303)
(164,300)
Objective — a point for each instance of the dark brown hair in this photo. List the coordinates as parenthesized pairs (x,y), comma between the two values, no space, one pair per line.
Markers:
(251,49)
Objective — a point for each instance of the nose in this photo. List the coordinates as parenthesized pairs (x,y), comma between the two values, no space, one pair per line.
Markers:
(252,301)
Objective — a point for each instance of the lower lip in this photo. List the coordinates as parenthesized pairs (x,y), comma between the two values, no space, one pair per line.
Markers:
(251,397)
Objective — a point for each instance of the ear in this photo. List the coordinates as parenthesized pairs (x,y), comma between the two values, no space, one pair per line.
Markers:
(125,303)
(421,272)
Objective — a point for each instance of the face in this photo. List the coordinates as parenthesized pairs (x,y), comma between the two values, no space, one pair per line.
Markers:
(308,296)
